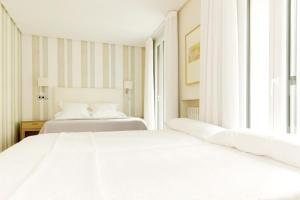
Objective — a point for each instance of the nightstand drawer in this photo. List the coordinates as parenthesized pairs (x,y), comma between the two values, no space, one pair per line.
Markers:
(33,125)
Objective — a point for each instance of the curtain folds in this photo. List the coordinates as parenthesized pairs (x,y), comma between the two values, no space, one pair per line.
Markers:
(149,86)
(220,72)
(10,80)
(279,65)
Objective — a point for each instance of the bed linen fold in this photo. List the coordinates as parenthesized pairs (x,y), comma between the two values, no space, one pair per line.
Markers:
(93,125)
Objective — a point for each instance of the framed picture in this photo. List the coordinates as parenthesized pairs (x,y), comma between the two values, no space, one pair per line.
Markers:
(192,56)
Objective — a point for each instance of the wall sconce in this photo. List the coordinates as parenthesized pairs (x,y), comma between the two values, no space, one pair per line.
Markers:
(42,82)
(128,85)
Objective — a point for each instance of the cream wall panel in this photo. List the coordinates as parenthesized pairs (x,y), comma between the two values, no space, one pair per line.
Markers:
(109,65)
(60,62)
(76,62)
(26,78)
(88,52)
(84,81)
(188,19)
(92,65)
(88,67)
(130,95)
(106,66)
(35,75)
(132,77)
(119,66)
(112,81)
(125,77)
(98,65)
(69,63)
(52,62)
(41,70)
(45,69)
(52,72)
(66,64)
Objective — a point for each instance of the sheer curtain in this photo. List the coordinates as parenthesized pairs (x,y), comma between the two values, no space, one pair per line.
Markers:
(279,66)
(221,69)
(269,65)
(149,86)
(171,67)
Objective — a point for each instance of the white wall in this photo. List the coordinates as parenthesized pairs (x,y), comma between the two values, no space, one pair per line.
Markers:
(68,63)
(189,18)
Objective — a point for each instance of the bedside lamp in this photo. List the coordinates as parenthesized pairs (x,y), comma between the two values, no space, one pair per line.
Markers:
(128,85)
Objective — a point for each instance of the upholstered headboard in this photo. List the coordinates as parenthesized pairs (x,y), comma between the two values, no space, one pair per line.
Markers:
(87,95)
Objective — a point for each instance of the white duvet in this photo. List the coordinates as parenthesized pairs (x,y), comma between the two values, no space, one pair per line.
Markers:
(139,165)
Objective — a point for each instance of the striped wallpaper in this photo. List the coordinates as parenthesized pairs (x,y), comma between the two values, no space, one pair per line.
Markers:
(10,80)
(69,63)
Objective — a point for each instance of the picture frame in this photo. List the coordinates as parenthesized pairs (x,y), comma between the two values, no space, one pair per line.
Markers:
(192,56)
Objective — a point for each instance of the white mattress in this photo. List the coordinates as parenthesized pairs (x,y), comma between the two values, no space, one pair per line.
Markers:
(139,165)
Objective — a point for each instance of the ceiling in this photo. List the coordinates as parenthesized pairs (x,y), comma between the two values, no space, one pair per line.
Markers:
(115,21)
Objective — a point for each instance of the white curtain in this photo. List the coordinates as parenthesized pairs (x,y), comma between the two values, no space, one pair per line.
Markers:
(10,80)
(278,65)
(242,7)
(149,86)
(269,70)
(171,67)
(219,71)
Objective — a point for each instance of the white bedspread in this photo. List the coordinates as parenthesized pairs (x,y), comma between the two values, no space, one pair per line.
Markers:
(139,165)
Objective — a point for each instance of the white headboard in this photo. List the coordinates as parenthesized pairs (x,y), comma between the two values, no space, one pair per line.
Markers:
(87,95)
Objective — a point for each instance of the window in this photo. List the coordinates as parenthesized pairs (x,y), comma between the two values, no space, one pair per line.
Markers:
(259,68)
(294,100)
(293,65)
(269,67)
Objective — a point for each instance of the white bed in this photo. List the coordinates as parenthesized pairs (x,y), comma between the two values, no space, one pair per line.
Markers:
(140,165)
(90,96)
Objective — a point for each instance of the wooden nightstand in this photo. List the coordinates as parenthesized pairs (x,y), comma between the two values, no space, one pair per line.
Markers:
(29,128)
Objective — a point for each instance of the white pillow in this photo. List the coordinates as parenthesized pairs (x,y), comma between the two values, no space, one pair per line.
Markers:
(224,138)
(281,147)
(73,111)
(193,127)
(108,115)
(285,148)
(104,107)
(106,111)
(246,140)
